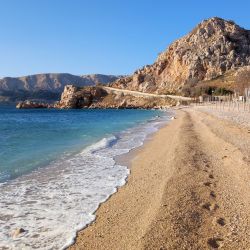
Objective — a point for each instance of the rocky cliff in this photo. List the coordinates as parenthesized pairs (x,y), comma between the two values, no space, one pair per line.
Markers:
(211,49)
(215,53)
(97,97)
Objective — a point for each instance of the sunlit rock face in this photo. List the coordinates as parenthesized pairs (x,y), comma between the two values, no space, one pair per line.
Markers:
(212,48)
(97,97)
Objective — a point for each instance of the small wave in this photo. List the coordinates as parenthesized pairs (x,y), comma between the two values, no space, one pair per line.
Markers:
(103,143)
(53,203)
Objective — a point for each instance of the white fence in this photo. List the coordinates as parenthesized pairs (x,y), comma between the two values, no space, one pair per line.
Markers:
(227,106)
(247,94)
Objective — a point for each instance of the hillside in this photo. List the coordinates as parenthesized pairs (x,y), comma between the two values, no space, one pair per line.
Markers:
(213,58)
(46,86)
(210,50)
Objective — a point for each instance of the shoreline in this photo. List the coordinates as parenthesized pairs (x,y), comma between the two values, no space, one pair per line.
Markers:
(127,160)
(165,203)
(70,189)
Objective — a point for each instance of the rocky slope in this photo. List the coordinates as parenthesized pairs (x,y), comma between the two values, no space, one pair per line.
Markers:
(210,50)
(215,53)
(97,97)
(41,86)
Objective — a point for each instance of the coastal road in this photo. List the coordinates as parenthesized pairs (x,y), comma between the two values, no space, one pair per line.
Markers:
(143,94)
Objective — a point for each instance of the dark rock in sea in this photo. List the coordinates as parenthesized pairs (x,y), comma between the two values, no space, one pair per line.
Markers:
(33,105)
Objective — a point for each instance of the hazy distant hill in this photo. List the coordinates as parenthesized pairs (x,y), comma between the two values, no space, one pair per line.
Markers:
(46,86)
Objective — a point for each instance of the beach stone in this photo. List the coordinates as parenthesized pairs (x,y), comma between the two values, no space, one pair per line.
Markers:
(17,232)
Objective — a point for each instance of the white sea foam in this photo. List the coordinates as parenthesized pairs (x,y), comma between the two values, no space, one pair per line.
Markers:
(53,203)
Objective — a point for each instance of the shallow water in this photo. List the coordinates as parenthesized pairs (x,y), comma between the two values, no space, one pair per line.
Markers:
(57,166)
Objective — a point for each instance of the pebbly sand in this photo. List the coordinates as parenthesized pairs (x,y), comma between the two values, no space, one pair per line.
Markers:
(189,188)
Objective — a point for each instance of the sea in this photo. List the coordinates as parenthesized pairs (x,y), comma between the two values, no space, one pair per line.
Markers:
(58,166)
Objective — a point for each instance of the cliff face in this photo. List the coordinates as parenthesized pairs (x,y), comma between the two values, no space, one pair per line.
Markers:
(74,97)
(214,47)
(97,97)
(216,52)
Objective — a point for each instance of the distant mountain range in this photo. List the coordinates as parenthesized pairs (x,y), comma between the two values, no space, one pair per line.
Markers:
(46,86)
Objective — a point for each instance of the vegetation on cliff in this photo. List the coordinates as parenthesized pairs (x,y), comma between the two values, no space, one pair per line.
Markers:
(211,50)
(213,58)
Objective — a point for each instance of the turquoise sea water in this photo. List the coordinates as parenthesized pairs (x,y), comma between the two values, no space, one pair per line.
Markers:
(57,166)
(32,138)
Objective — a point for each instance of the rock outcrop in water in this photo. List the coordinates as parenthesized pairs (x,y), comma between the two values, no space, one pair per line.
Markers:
(211,49)
(33,105)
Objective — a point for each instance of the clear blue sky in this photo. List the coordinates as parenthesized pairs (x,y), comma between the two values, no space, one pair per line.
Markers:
(99,36)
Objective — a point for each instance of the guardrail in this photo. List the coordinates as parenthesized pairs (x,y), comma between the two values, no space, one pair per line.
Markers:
(144,94)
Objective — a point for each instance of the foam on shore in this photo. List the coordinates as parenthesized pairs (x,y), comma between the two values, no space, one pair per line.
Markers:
(55,202)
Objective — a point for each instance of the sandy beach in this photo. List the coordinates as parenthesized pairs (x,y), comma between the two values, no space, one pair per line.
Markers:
(188,189)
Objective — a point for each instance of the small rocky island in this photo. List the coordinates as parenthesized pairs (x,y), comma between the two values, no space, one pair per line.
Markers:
(33,105)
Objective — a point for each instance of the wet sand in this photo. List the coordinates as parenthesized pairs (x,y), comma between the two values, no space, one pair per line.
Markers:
(189,188)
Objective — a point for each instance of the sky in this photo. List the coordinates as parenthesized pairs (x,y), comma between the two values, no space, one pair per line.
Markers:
(99,36)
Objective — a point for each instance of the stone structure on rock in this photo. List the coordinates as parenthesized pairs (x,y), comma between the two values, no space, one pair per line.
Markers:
(211,49)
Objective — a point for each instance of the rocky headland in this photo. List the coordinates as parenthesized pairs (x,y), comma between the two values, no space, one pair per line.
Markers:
(99,97)
(213,48)
(215,54)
